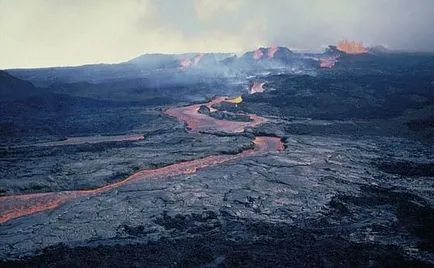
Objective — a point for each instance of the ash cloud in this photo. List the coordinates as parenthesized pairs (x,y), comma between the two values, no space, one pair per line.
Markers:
(49,32)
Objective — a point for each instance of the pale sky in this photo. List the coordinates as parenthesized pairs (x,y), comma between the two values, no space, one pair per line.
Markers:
(35,33)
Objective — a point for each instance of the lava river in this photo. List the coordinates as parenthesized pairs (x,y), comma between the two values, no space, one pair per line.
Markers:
(14,206)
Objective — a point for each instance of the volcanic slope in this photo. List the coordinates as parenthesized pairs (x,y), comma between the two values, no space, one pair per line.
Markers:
(332,197)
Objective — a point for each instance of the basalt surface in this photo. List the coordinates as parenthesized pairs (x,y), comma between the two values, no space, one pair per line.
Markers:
(333,170)
(316,196)
(322,197)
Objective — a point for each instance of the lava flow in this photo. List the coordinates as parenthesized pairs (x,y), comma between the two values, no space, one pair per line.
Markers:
(186,63)
(328,62)
(271,51)
(257,54)
(261,53)
(15,206)
(256,87)
(197,122)
(351,47)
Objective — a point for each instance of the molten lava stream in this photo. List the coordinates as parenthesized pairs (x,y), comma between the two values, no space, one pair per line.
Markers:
(15,206)
(197,122)
(328,62)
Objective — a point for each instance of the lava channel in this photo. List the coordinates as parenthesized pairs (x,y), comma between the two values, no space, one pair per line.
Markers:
(14,206)
(197,122)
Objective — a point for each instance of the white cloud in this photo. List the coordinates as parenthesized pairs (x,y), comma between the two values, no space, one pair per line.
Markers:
(63,32)
(208,9)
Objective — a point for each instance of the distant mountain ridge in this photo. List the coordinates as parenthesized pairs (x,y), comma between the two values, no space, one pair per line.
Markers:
(211,64)
(14,88)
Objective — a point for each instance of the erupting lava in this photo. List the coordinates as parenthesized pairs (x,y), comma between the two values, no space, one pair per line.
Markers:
(256,87)
(328,62)
(15,206)
(258,54)
(271,51)
(262,53)
(351,47)
(186,63)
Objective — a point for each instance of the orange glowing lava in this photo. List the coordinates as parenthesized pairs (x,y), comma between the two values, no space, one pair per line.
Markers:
(186,63)
(197,122)
(351,47)
(256,87)
(257,54)
(197,59)
(328,62)
(273,144)
(15,206)
(271,51)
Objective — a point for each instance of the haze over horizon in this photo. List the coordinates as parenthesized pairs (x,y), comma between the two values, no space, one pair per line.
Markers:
(43,33)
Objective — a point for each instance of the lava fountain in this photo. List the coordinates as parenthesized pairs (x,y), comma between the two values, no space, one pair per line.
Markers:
(351,47)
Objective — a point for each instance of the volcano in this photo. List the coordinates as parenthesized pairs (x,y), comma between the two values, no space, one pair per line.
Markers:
(282,54)
(145,164)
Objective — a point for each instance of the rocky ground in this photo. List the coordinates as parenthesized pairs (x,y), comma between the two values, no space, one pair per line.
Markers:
(333,199)
(353,187)
(86,166)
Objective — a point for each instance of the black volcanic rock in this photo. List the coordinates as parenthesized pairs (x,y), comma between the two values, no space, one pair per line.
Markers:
(173,60)
(283,54)
(351,188)
(156,60)
(333,51)
(14,88)
(92,73)
(264,58)
(378,49)
(28,111)
(230,60)
(222,115)
(140,67)
(203,109)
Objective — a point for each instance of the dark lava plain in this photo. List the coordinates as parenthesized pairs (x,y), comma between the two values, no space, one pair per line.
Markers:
(353,188)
